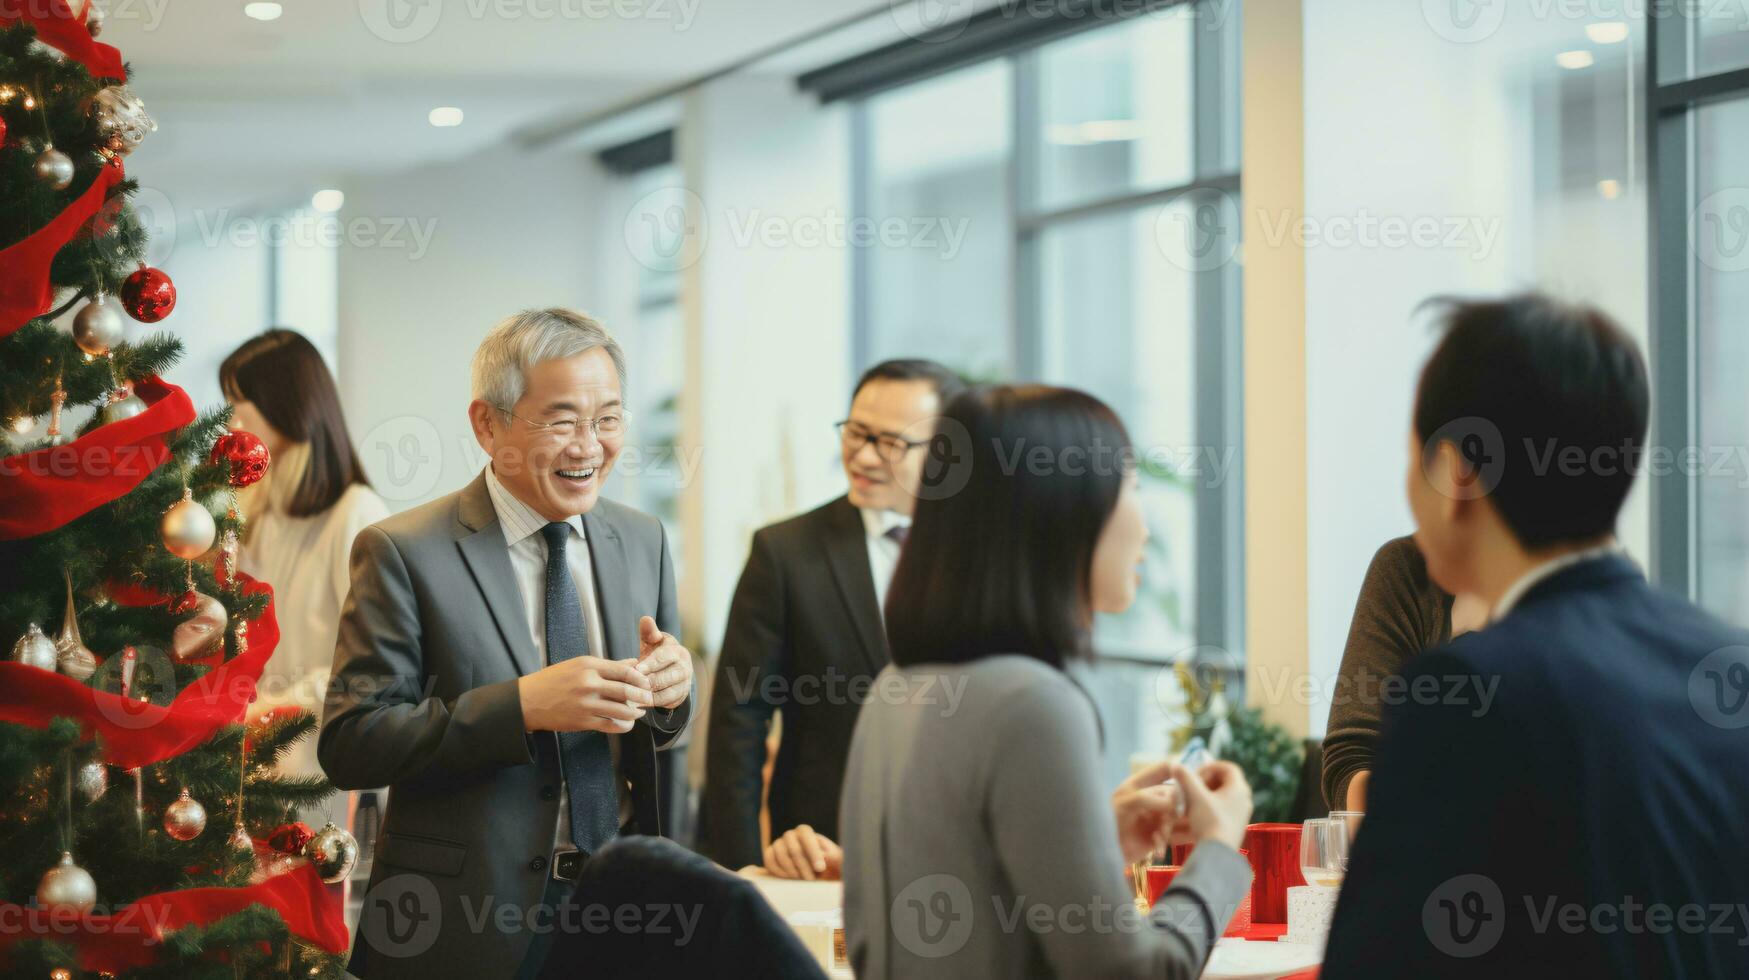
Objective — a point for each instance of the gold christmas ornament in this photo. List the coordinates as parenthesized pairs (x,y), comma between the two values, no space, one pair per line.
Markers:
(202,632)
(67,886)
(71,655)
(185,818)
(188,528)
(35,649)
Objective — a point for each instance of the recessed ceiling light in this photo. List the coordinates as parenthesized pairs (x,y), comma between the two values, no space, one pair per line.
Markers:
(445,115)
(1574,60)
(328,201)
(1610,189)
(263,10)
(1607,32)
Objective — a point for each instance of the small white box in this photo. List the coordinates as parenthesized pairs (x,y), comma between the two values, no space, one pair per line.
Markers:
(1309,911)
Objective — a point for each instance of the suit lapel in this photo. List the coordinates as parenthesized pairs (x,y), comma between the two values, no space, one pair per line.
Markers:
(607,559)
(488,559)
(847,554)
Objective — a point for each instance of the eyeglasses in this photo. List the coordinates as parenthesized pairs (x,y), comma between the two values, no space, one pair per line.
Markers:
(889,447)
(609,426)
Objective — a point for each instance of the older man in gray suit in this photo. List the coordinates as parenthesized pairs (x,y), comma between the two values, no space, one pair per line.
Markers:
(506,665)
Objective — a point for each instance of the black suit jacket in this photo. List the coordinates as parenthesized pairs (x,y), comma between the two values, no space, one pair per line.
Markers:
(804,638)
(1526,833)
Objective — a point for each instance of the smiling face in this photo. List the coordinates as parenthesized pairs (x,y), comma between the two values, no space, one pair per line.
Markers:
(886,407)
(559,476)
(1117,558)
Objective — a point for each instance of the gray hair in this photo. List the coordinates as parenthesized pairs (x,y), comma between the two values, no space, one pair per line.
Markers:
(522,340)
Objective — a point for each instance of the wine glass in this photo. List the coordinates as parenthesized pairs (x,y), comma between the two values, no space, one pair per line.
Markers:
(1323,852)
(1351,819)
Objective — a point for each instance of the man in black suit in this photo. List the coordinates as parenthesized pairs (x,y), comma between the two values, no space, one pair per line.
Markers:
(1566,791)
(805,638)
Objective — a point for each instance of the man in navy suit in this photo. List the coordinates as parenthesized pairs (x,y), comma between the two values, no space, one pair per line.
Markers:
(1565,792)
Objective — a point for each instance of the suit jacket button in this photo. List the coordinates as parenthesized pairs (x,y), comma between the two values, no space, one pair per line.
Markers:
(538,864)
(548,793)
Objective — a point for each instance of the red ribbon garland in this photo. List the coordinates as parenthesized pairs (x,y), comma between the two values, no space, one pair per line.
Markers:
(128,940)
(58,27)
(25,291)
(139,733)
(43,490)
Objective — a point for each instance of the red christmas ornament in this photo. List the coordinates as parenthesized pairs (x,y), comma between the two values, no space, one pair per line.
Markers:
(290,838)
(2,132)
(148,295)
(245,454)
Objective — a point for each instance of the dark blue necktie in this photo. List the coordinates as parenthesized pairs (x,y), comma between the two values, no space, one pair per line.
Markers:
(585,757)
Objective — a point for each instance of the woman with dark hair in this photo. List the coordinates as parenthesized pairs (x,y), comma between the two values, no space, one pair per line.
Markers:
(300,519)
(970,802)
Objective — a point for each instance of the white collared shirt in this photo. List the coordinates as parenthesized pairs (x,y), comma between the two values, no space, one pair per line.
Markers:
(883,552)
(1516,591)
(528,559)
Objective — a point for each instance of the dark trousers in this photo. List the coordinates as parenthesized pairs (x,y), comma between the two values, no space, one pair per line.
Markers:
(557,894)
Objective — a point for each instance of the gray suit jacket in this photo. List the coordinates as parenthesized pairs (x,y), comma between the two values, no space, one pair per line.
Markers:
(424,700)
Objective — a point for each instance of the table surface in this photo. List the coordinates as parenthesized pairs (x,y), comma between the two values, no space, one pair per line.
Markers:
(1255,956)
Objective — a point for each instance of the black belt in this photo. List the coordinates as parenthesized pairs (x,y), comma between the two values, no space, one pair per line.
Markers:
(568,864)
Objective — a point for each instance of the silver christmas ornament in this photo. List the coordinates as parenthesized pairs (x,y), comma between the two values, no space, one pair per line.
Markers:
(35,649)
(66,886)
(99,326)
(240,841)
(185,818)
(54,168)
(122,122)
(71,655)
(94,19)
(188,528)
(122,404)
(333,852)
(92,780)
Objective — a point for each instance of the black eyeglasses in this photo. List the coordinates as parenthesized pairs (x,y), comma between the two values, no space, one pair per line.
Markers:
(888,446)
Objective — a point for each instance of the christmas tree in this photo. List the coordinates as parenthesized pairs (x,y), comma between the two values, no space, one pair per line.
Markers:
(143,829)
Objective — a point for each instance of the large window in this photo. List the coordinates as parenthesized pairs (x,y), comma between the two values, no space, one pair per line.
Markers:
(1092,183)
(1700,99)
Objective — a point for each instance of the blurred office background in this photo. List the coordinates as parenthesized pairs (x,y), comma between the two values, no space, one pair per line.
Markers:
(1221,219)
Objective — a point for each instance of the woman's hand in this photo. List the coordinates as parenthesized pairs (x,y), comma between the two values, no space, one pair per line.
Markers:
(801,853)
(1217,804)
(1143,806)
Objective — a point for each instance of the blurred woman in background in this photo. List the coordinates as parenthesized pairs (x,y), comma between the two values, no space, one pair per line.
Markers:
(300,521)
(972,780)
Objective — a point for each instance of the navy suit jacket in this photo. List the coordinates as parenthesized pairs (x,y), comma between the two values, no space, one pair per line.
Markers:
(1564,793)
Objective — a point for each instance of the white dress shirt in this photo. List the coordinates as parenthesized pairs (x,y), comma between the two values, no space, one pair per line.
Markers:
(1525,582)
(528,559)
(883,552)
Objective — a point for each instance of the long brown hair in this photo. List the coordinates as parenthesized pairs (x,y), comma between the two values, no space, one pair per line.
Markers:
(283,375)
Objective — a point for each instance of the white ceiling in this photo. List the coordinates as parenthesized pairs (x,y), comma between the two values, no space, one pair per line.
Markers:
(257,114)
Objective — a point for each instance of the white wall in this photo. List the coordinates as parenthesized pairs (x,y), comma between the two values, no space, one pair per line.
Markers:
(767,312)
(453,248)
